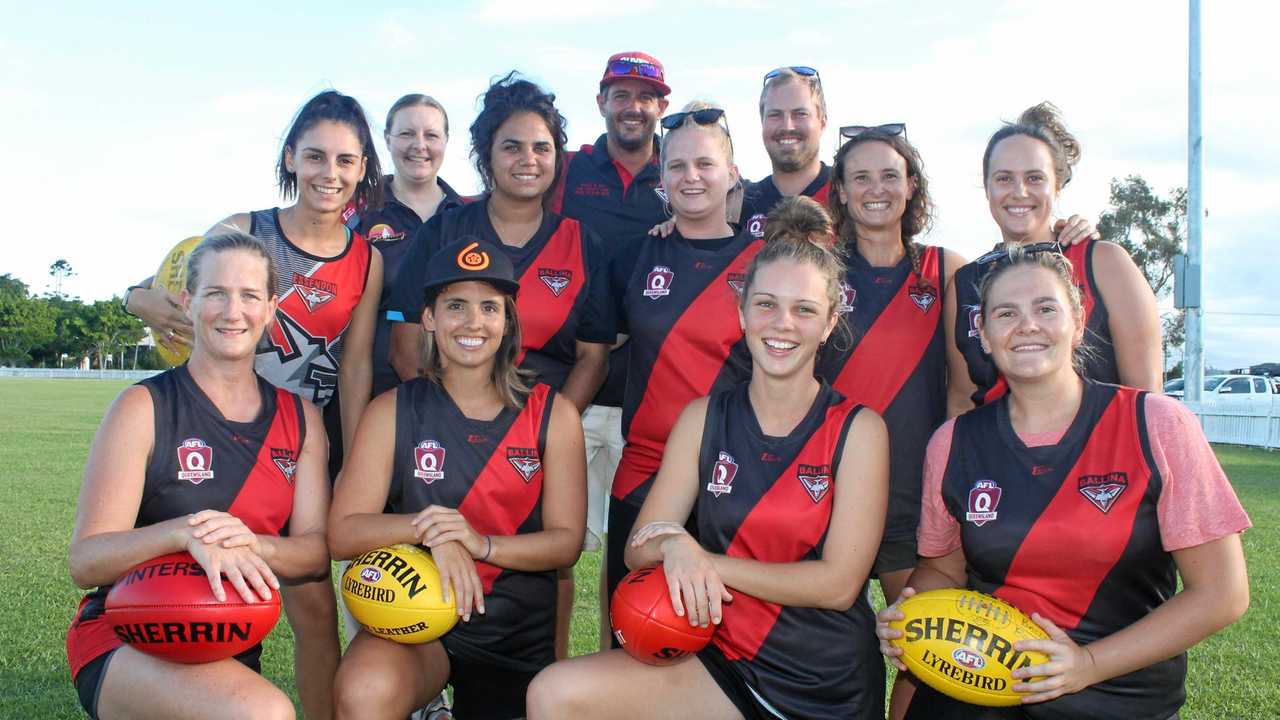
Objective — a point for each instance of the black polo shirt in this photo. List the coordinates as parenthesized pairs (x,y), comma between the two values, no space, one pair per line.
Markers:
(761,197)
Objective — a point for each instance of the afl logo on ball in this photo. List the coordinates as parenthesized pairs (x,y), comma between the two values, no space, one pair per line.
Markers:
(755,225)
(983,500)
(722,475)
(473,258)
(968,659)
(195,461)
(370,574)
(658,283)
(428,461)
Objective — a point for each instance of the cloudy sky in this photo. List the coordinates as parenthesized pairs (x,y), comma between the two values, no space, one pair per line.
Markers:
(133,125)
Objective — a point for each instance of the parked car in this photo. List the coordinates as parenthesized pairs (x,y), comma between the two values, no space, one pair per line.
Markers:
(1240,393)
(1174,388)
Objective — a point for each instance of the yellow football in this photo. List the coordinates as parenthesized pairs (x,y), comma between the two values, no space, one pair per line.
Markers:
(172,276)
(960,642)
(394,592)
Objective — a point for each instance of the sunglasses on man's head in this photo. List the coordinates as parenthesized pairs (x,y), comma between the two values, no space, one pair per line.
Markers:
(635,67)
(706,116)
(852,131)
(1001,256)
(801,70)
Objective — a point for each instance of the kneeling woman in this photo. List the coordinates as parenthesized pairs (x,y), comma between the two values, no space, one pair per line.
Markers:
(269,453)
(1100,497)
(497,530)
(788,484)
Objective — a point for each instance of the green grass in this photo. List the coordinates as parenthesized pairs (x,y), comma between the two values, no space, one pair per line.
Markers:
(46,427)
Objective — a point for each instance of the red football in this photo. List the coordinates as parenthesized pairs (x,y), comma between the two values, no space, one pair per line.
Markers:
(647,626)
(164,607)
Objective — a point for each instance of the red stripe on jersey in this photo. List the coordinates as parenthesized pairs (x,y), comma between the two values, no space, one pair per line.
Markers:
(892,347)
(821,196)
(1065,594)
(265,501)
(684,370)
(542,309)
(557,193)
(748,621)
(501,498)
(322,301)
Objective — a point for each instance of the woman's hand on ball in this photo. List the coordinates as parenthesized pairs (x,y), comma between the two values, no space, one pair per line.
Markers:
(437,525)
(216,527)
(247,572)
(1070,668)
(693,581)
(458,573)
(656,529)
(162,311)
(886,633)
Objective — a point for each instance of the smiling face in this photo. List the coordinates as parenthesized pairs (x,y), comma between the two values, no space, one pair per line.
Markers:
(786,317)
(1022,189)
(630,109)
(329,163)
(793,125)
(523,157)
(697,172)
(231,306)
(1029,323)
(469,320)
(417,142)
(874,186)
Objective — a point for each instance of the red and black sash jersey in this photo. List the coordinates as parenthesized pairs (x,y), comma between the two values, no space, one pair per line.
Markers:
(302,350)
(761,197)
(390,229)
(553,270)
(202,461)
(895,363)
(491,472)
(677,299)
(1071,531)
(1100,364)
(770,499)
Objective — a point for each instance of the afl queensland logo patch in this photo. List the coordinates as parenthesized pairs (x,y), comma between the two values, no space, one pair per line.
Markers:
(722,475)
(525,461)
(286,461)
(195,461)
(755,225)
(974,312)
(816,480)
(983,500)
(428,461)
(555,280)
(1103,490)
(658,284)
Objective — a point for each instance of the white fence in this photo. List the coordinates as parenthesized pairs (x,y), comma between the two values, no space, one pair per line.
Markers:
(1237,427)
(68,373)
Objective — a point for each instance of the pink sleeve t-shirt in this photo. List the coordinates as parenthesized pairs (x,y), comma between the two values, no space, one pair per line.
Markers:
(1197,503)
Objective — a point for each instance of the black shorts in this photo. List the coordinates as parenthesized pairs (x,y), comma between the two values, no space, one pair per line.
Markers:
(487,691)
(929,704)
(895,554)
(735,687)
(88,681)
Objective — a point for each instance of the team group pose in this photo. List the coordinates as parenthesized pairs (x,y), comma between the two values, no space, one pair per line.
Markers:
(630,346)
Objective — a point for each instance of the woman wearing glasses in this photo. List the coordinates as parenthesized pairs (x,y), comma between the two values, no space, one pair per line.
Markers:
(1024,168)
(1098,498)
(674,298)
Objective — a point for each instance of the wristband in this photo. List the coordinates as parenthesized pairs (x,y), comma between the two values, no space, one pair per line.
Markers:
(488,548)
(124,301)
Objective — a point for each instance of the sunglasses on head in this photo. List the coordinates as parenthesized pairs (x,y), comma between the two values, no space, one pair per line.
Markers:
(634,67)
(852,131)
(995,258)
(801,70)
(706,116)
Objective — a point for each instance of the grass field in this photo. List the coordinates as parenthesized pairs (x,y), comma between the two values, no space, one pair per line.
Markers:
(46,427)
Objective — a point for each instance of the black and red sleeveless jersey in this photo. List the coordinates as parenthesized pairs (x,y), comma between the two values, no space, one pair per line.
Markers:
(894,363)
(553,270)
(491,472)
(1071,531)
(761,197)
(677,299)
(302,350)
(202,461)
(1100,364)
(770,499)
(390,229)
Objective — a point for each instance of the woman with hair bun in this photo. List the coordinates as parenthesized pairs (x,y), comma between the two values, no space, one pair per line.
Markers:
(786,483)
(1024,168)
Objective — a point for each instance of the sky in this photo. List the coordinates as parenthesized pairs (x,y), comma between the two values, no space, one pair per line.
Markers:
(134,125)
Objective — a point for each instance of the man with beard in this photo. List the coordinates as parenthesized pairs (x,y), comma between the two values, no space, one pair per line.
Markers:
(793,114)
(612,187)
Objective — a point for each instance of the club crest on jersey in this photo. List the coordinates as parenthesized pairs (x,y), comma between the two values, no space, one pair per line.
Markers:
(525,461)
(383,232)
(848,296)
(195,461)
(661,192)
(1103,490)
(816,480)
(755,225)
(722,475)
(428,461)
(737,281)
(983,500)
(923,296)
(286,460)
(975,311)
(555,280)
(313,292)
(658,283)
